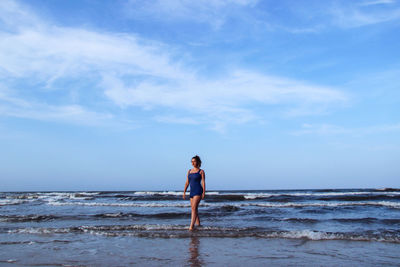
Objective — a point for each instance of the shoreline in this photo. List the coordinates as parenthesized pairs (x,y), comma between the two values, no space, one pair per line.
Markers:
(194,251)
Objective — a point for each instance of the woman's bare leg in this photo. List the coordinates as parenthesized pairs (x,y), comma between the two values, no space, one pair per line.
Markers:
(194,203)
(197,223)
(197,217)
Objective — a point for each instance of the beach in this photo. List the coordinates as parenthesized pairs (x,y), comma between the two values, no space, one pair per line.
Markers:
(149,228)
(92,250)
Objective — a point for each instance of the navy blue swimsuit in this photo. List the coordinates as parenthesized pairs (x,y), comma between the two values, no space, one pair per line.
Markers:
(195,186)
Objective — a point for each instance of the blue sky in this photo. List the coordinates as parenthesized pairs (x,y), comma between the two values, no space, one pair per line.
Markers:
(119,95)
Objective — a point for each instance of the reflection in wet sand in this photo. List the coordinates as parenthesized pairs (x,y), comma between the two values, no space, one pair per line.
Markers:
(194,259)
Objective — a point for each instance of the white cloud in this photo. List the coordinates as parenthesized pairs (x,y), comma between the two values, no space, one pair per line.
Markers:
(15,16)
(377,2)
(14,106)
(322,16)
(308,19)
(131,71)
(212,12)
(352,16)
(226,100)
(59,52)
(330,129)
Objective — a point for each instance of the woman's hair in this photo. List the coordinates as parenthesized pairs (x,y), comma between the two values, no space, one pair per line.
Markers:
(198,160)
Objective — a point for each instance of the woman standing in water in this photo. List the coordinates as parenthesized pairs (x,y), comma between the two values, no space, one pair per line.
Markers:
(197,192)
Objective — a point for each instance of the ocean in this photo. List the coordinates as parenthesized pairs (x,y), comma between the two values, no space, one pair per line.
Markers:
(328,227)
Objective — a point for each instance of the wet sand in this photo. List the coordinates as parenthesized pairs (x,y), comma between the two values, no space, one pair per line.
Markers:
(90,250)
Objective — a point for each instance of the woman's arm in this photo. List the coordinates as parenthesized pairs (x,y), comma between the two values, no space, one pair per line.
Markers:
(203,181)
(186,185)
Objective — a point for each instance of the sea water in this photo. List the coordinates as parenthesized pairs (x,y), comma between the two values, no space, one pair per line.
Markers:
(282,227)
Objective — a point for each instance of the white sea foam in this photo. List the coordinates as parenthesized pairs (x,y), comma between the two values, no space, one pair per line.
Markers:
(324,204)
(40,230)
(22,196)
(173,193)
(128,227)
(255,204)
(316,235)
(83,195)
(160,230)
(258,195)
(54,196)
(126,204)
(321,194)
(4,202)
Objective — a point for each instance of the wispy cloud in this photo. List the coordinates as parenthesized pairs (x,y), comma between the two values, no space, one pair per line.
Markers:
(131,71)
(228,99)
(14,16)
(313,18)
(14,106)
(354,17)
(330,129)
(211,12)
(320,17)
(377,2)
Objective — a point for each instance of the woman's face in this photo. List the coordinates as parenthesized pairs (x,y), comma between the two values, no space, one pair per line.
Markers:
(194,163)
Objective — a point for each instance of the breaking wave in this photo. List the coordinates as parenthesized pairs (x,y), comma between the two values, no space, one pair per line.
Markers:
(181,231)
